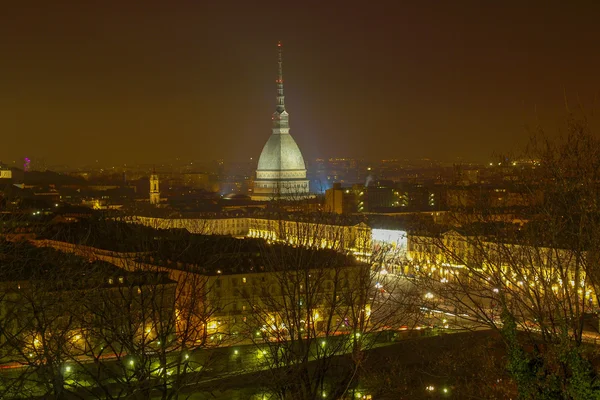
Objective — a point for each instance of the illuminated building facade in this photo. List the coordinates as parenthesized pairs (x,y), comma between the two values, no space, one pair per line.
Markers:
(355,239)
(263,303)
(281,172)
(473,258)
(260,291)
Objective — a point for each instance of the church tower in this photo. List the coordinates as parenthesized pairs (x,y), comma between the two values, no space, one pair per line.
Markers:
(154,192)
(281,172)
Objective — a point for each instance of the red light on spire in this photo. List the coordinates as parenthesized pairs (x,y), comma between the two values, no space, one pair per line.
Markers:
(279,44)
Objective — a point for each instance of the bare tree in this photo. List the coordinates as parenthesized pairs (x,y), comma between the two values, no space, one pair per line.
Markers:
(315,312)
(80,326)
(534,282)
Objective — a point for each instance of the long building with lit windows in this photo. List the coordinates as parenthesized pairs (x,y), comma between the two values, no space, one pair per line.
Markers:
(266,302)
(358,238)
(468,257)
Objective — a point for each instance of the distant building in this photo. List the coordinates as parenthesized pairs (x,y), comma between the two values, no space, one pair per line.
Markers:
(196,180)
(384,197)
(380,195)
(494,196)
(11,175)
(467,177)
(281,172)
(5,173)
(340,200)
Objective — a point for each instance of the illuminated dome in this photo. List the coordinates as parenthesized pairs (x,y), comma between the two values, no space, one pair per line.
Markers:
(281,153)
(281,172)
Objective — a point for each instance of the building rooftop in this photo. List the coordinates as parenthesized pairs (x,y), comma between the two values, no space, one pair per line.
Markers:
(214,255)
(23,262)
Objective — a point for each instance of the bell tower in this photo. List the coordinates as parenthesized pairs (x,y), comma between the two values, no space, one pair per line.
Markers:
(154,192)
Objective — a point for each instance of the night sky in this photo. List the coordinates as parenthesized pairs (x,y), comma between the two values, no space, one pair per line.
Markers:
(148,81)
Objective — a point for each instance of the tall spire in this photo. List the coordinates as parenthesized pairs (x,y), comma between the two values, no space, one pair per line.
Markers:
(280,96)
(280,116)
(281,171)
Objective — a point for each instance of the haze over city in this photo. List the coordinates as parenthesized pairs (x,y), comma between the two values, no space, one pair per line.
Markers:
(149,82)
(221,200)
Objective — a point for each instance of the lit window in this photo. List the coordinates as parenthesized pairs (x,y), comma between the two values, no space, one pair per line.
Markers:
(121,279)
(244,280)
(110,281)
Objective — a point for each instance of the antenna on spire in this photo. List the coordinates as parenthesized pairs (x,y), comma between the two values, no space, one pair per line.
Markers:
(280,97)
(280,62)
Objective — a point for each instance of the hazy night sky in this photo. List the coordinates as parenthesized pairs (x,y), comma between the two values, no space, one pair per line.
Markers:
(149,81)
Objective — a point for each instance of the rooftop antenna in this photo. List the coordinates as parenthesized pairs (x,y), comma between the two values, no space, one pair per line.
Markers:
(280,96)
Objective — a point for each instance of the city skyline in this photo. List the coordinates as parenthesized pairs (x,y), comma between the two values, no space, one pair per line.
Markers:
(123,84)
